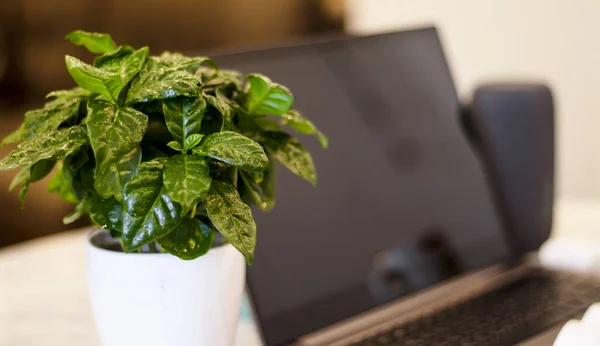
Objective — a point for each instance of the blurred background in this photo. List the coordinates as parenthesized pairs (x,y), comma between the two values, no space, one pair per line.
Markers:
(552,41)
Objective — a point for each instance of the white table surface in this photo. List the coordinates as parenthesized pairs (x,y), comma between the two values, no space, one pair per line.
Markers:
(43,295)
(43,289)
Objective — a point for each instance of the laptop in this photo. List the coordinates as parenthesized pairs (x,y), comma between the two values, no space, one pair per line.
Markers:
(400,243)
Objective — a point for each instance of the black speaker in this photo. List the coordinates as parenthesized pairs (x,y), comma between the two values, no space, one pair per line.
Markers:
(512,129)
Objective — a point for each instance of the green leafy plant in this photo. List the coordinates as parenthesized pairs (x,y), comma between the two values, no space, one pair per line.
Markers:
(163,151)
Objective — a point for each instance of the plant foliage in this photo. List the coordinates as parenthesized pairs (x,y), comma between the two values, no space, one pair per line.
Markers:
(162,149)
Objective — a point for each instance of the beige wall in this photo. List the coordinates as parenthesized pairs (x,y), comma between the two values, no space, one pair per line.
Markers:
(557,41)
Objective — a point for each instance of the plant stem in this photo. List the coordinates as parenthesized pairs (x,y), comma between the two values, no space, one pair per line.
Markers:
(234,177)
(193,213)
(152,247)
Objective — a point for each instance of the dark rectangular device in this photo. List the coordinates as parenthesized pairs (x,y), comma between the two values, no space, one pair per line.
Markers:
(401,202)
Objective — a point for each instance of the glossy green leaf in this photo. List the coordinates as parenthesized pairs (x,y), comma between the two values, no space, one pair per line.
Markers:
(50,117)
(260,185)
(253,126)
(234,149)
(222,77)
(14,137)
(112,181)
(37,172)
(192,141)
(226,92)
(80,175)
(60,185)
(232,217)
(223,108)
(181,62)
(45,120)
(94,42)
(78,160)
(106,213)
(112,61)
(29,175)
(290,153)
(33,173)
(23,193)
(150,212)
(107,84)
(266,124)
(126,62)
(80,210)
(66,98)
(266,97)
(158,81)
(261,191)
(298,122)
(186,179)
(267,186)
(40,170)
(115,135)
(53,146)
(189,240)
(183,116)
(70,93)
(19,179)
(205,74)
(175,145)
(305,126)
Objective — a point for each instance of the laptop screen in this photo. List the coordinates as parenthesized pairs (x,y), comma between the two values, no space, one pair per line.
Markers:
(401,202)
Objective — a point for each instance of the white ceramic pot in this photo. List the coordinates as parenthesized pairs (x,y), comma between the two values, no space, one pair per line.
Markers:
(161,300)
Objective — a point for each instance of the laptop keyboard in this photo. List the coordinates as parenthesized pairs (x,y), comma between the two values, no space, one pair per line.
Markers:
(504,316)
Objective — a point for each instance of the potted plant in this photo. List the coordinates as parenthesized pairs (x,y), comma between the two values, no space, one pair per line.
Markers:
(165,154)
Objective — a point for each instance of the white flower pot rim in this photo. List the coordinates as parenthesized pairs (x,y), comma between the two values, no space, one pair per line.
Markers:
(99,236)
